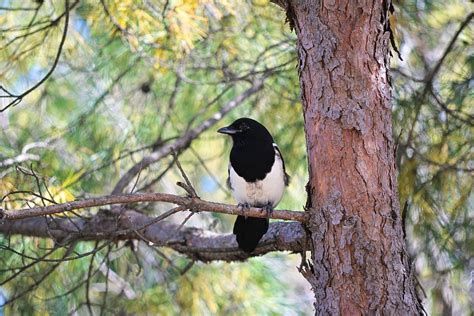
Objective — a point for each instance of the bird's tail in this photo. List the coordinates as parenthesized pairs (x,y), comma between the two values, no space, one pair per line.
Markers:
(249,231)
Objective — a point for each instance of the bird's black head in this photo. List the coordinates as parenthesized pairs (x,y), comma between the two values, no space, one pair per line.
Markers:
(246,130)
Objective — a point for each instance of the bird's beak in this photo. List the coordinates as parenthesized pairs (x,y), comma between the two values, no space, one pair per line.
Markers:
(228,130)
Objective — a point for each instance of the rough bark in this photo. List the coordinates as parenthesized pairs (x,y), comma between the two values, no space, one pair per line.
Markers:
(195,243)
(359,263)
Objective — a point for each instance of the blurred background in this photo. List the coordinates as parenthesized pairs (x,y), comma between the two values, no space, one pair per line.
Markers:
(134,75)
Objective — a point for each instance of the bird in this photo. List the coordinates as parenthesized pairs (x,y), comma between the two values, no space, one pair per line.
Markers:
(256,177)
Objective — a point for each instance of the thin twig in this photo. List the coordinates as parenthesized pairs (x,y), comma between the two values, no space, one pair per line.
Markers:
(18,98)
(188,186)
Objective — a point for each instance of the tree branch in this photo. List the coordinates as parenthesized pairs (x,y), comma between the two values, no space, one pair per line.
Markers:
(195,243)
(17,98)
(191,203)
(281,3)
(24,156)
(18,159)
(430,77)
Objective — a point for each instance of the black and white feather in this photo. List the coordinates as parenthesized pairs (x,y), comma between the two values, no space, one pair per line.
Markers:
(262,191)
(256,176)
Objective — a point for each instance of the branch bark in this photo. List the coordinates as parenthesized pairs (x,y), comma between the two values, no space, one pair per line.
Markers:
(195,243)
(359,262)
(192,203)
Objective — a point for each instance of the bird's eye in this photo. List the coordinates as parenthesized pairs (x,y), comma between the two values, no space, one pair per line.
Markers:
(244,127)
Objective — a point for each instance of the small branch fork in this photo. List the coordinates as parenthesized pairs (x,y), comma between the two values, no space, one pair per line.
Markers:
(188,187)
(193,203)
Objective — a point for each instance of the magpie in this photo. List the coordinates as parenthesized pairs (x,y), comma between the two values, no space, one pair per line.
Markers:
(256,177)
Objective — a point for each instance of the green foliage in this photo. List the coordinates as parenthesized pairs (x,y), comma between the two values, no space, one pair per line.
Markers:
(433,113)
(137,73)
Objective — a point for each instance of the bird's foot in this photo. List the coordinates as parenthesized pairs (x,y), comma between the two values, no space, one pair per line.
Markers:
(268,208)
(243,206)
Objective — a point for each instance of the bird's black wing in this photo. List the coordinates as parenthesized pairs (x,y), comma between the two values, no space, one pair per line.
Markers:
(278,152)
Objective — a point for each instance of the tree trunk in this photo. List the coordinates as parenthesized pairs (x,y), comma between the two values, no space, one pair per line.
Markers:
(359,262)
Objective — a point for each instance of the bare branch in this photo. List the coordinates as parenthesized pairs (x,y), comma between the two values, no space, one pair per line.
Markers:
(188,187)
(24,156)
(18,8)
(18,159)
(430,77)
(281,3)
(191,203)
(17,98)
(195,243)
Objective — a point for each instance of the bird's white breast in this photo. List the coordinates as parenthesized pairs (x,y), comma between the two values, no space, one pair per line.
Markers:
(261,192)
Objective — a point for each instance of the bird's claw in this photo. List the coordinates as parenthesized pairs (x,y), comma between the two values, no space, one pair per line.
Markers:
(268,208)
(243,206)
